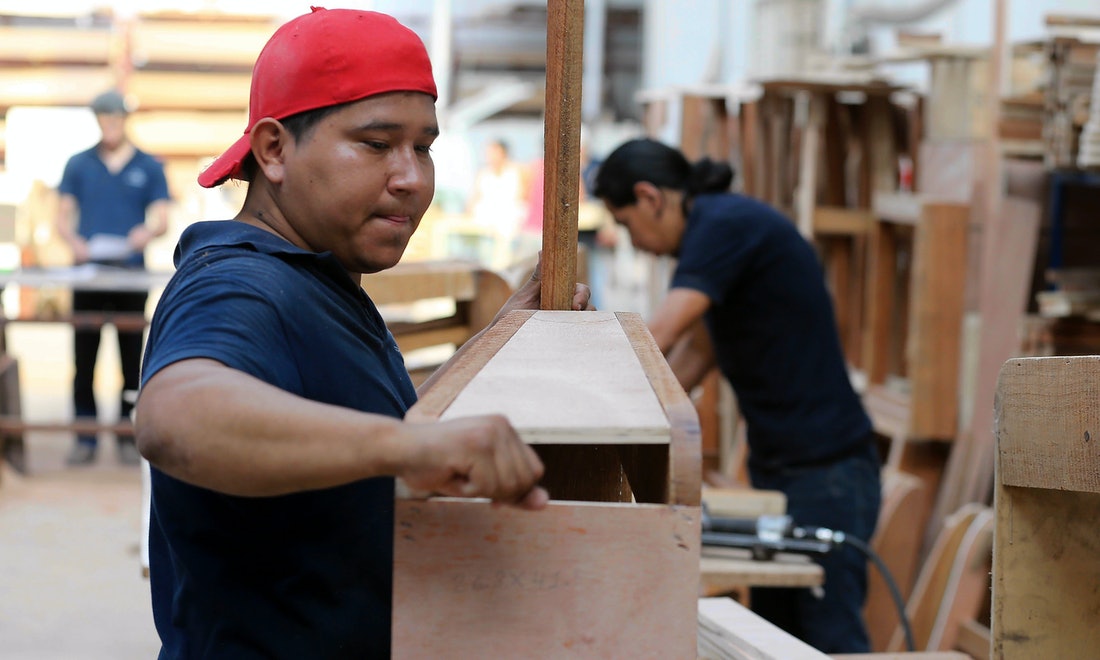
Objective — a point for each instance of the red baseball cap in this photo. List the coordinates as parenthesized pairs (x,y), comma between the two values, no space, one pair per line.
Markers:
(326,57)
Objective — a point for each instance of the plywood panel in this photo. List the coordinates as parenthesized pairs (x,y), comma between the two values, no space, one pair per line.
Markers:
(727,629)
(571,581)
(568,377)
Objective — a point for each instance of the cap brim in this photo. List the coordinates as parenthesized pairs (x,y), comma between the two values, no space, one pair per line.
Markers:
(228,165)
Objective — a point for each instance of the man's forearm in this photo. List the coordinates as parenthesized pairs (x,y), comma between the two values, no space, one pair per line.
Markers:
(221,429)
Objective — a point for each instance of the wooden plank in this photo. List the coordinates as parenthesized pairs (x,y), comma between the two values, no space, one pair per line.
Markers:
(744,502)
(54,85)
(729,630)
(1008,252)
(934,584)
(561,146)
(33,44)
(837,220)
(685,457)
(189,90)
(198,43)
(897,542)
(474,580)
(809,156)
(897,207)
(934,346)
(880,298)
(723,570)
(601,394)
(974,639)
(1046,415)
(180,134)
(411,281)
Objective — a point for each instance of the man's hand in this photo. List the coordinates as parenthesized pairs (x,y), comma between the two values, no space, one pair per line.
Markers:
(474,457)
(529,294)
(139,237)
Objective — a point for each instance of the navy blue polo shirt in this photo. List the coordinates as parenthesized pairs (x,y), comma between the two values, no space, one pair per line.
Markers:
(306,575)
(113,203)
(774,331)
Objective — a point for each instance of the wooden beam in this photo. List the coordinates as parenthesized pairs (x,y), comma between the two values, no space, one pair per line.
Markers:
(54,85)
(36,45)
(561,149)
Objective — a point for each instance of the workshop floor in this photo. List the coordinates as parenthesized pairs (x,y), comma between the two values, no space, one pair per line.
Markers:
(70,574)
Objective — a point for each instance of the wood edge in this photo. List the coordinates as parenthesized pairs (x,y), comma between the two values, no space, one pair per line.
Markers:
(465,367)
(685,463)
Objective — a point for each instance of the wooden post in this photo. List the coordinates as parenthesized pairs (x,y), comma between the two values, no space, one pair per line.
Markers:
(561,142)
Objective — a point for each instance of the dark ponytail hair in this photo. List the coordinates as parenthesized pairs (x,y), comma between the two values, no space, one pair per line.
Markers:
(659,164)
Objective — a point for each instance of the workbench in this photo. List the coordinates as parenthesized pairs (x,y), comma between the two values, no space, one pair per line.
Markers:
(86,277)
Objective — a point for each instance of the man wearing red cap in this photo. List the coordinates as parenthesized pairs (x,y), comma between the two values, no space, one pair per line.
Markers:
(272,392)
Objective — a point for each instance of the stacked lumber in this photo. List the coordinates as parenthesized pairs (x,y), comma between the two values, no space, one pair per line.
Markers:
(1073,66)
(56,61)
(1088,154)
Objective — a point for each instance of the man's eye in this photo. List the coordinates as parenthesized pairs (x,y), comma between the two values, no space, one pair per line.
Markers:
(425,149)
(374,144)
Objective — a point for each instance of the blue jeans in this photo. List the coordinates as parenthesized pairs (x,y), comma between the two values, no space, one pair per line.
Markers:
(844,495)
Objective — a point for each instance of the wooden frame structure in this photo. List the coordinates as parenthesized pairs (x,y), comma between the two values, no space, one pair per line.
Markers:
(611,567)
(1047,497)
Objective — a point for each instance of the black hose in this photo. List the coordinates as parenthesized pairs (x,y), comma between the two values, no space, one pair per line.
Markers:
(895,593)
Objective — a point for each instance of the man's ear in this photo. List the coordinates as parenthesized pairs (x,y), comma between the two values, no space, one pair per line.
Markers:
(648,194)
(269,141)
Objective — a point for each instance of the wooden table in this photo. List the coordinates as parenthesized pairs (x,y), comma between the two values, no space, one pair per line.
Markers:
(86,277)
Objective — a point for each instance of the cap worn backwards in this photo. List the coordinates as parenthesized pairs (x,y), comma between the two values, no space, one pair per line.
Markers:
(326,57)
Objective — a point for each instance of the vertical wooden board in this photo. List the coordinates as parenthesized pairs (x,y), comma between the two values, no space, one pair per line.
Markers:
(935,335)
(571,581)
(561,149)
(1046,574)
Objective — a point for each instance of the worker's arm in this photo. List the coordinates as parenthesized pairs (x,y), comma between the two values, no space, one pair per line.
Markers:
(216,427)
(156,225)
(692,358)
(676,326)
(66,228)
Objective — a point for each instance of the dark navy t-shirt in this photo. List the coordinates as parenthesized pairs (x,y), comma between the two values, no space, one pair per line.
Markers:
(773,329)
(306,575)
(113,203)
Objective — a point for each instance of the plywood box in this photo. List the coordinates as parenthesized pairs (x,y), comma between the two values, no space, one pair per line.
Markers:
(611,567)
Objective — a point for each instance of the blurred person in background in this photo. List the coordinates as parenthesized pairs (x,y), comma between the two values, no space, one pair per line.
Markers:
(106,195)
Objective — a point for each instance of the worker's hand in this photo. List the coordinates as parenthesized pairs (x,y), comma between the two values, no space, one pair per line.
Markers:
(474,457)
(529,294)
(139,237)
(80,251)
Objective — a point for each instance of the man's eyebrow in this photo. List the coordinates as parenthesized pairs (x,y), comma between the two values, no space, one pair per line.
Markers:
(432,131)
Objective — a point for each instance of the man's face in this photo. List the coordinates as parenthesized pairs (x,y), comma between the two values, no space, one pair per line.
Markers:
(649,228)
(113,129)
(359,182)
